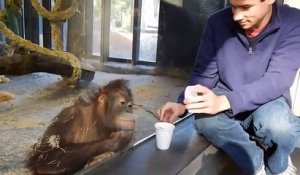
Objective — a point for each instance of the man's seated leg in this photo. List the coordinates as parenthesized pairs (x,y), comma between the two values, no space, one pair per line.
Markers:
(227,134)
(279,130)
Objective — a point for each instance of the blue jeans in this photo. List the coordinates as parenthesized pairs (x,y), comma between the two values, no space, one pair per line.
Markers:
(267,135)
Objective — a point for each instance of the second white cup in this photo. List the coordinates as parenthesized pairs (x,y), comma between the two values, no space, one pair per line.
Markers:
(164,133)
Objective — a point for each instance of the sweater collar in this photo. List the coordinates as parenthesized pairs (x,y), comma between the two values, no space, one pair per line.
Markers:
(273,25)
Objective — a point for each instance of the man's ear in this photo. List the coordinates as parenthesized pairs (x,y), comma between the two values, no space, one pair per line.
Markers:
(271,1)
(101,99)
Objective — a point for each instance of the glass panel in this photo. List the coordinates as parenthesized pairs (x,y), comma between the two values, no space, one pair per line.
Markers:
(96,28)
(149,30)
(41,39)
(2,37)
(64,33)
(121,29)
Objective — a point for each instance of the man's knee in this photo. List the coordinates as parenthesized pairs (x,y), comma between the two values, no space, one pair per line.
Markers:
(275,114)
(211,126)
(274,109)
(273,121)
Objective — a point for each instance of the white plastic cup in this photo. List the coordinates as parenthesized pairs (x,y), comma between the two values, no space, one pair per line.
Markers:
(164,133)
(188,94)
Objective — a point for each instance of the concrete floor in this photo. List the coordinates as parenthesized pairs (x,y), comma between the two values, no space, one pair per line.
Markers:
(40,96)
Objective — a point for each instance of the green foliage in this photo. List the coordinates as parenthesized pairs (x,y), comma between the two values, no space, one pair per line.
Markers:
(122,13)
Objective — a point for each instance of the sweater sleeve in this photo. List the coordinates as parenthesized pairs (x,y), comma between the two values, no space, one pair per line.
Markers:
(205,67)
(276,81)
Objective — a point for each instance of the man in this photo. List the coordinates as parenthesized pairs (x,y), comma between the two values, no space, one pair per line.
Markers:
(244,68)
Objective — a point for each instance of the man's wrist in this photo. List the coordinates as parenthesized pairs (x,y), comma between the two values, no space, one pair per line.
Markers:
(184,114)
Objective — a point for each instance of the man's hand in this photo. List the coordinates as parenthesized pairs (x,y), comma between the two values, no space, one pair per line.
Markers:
(208,102)
(170,111)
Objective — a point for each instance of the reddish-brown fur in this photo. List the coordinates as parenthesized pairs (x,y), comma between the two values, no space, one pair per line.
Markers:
(85,132)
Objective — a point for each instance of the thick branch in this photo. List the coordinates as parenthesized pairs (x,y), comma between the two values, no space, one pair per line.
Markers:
(26,64)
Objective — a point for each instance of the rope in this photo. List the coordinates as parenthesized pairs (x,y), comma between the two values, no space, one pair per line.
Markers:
(56,35)
(55,29)
(64,56)
(55,16)
(57,5)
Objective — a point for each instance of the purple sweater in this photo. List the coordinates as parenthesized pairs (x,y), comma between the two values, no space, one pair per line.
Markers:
(253,73)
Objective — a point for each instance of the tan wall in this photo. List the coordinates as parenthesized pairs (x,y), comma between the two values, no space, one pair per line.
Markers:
(293,3)
(295,94)
(295,89)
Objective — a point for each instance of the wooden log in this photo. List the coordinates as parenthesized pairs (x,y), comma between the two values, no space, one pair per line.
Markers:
(26,64)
